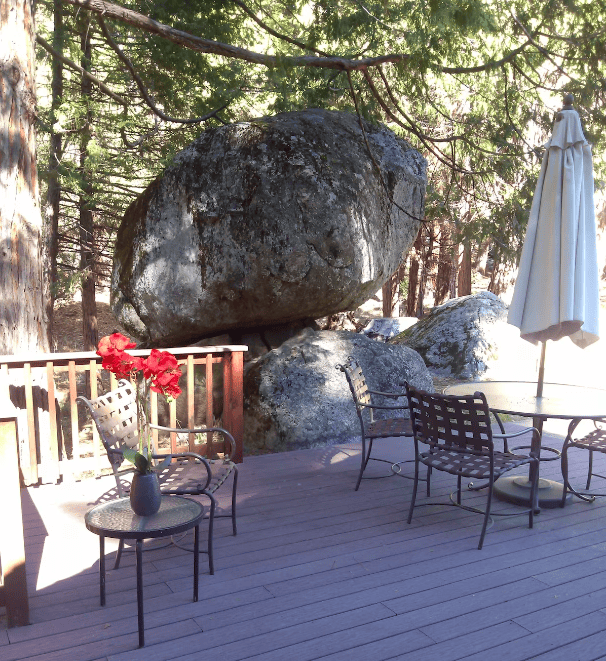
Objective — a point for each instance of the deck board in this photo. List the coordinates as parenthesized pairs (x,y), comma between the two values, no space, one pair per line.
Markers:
(319,571)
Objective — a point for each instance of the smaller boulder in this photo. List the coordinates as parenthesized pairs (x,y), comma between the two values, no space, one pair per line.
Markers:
(296,397)
(384,328)
(469,338)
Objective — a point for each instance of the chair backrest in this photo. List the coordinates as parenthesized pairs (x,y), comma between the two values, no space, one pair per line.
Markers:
(115,415)
(359,388)
(458,423)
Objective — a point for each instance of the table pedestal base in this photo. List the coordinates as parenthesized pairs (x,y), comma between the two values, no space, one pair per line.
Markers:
(516,489)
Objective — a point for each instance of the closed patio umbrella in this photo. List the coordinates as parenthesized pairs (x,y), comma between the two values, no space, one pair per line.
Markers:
(556,292)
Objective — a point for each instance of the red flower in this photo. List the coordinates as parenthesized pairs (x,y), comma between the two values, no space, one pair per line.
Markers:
(164,371)
(159,362)
(160,369)
(115,343)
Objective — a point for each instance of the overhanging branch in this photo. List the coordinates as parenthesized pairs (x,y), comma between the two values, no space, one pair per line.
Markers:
(76,67)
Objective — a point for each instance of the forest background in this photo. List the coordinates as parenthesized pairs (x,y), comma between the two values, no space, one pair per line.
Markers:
(473,85)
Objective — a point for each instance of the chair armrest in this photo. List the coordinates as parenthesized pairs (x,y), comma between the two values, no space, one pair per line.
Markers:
(394,395)
(533,430)
(385,406)
(202,430)
(513,434)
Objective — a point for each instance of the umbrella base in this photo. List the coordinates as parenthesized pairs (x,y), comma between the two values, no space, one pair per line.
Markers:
(516,489)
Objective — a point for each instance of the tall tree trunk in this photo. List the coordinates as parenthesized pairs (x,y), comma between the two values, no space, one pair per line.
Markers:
(413,275)
(23,321)
(443,275)
(464,283)
(390,290)
(387,292)
(53,195)
(426,267)
(90,334)
(454,272)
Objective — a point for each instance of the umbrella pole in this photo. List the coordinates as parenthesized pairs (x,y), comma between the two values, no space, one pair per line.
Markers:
(541,371)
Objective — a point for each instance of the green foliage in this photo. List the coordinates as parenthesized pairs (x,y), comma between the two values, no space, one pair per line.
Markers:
(476,94)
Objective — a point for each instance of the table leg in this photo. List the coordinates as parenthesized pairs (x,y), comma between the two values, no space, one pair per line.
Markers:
(196,560)
(139,552)
(102,570)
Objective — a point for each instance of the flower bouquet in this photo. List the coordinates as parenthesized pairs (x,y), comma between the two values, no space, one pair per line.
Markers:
(159,372)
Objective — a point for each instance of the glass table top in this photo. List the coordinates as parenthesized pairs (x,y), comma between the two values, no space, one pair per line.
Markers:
(116,518)
(520,398)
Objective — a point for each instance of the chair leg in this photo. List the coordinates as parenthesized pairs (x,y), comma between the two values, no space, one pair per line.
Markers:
(233,502)
(211,521)
(567,486)
(428,481)
(486,513)
(564,466)
(414,491)
(458,489)
(590,470)
(365,458)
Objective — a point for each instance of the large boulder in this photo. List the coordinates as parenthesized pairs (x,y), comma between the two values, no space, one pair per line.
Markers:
(267,222)
(296,397)
(469,338)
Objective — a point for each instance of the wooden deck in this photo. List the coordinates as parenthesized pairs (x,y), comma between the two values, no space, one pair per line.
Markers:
(319,571)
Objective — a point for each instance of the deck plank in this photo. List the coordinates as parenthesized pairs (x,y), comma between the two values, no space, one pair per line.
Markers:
(320,571)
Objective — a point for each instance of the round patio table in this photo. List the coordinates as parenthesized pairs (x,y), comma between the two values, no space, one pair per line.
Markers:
(519,398)
(117,520)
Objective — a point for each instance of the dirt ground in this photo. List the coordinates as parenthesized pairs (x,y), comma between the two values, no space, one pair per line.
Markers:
(67,325)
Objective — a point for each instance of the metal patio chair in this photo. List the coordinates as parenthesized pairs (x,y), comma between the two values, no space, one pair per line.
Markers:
(185,474)
(370,428)
(594,441)
(458,433)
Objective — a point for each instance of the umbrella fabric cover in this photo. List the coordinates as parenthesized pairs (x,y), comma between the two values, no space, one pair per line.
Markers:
(557,292)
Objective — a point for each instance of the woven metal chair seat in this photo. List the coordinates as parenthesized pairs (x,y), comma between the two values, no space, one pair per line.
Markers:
(595,440)
(471,465)
(389,428)
(183,478)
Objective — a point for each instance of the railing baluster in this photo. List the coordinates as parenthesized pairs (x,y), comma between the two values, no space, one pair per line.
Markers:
(31,424)
(93,366)
(153,411)
(190,401)
(50,468)
(73,412)
(226,386)
(172,412)
(210,416)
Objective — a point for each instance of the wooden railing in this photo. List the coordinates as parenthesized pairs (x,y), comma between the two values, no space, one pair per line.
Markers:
(57,439)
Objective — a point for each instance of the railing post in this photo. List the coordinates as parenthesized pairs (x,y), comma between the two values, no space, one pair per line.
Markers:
(12,546)
(233,399)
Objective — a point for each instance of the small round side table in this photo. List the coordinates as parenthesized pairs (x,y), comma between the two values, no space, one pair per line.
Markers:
(116,519)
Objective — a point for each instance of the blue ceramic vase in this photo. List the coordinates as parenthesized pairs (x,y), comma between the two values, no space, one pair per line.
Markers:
(145,493)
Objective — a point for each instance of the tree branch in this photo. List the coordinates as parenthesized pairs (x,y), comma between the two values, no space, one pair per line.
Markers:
(192,42)
(76,67)
(493,64)
(146,97)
